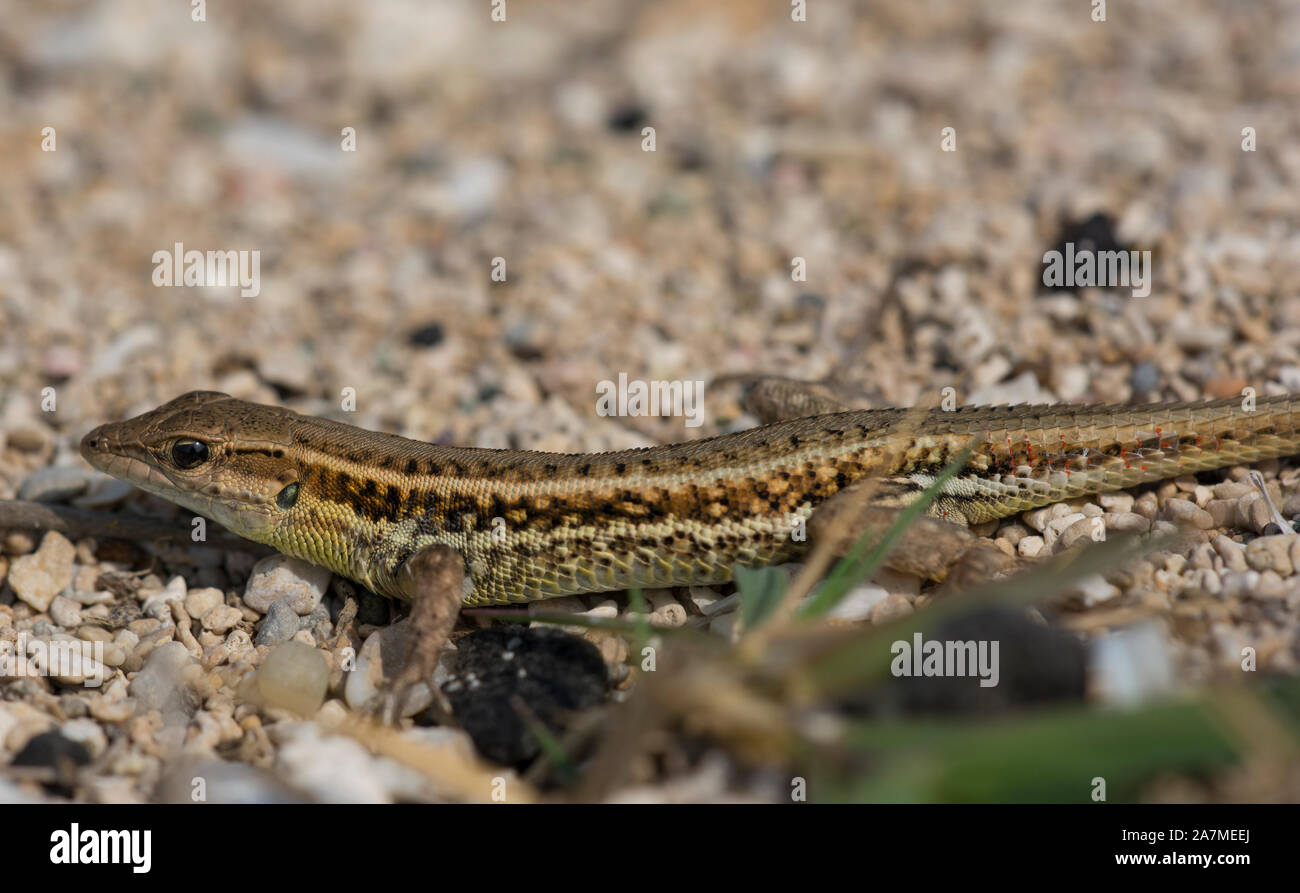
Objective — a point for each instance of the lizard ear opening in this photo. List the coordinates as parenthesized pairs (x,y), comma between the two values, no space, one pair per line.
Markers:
(288,496)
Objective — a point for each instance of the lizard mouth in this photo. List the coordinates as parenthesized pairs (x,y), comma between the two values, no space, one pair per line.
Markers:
(105,451)
(129,461)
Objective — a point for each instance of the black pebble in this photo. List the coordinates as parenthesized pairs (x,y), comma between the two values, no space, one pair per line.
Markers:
(51,749)
(427,336)
(562,674)
(371,609)
(1037,664)
(629,116)
(1097,233)
(1272,529)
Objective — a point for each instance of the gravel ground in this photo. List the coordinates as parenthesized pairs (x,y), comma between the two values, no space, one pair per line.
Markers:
(482,144)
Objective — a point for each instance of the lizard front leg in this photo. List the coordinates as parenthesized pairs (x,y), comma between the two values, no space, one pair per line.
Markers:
(432,579)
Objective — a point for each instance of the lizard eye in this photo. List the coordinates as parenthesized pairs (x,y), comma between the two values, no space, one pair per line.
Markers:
(189,453)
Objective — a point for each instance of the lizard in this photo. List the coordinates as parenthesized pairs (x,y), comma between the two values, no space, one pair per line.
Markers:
(443,525)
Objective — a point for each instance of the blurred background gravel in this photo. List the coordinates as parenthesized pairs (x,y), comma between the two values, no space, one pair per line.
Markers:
(523,140)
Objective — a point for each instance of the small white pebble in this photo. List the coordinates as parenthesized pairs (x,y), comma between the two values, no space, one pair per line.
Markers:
(1030,546)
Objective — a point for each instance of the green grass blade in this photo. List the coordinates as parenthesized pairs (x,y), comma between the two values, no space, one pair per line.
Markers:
(761,590)
(1038,758)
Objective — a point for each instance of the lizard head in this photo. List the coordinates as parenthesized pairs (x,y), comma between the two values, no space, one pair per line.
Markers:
(221,457)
